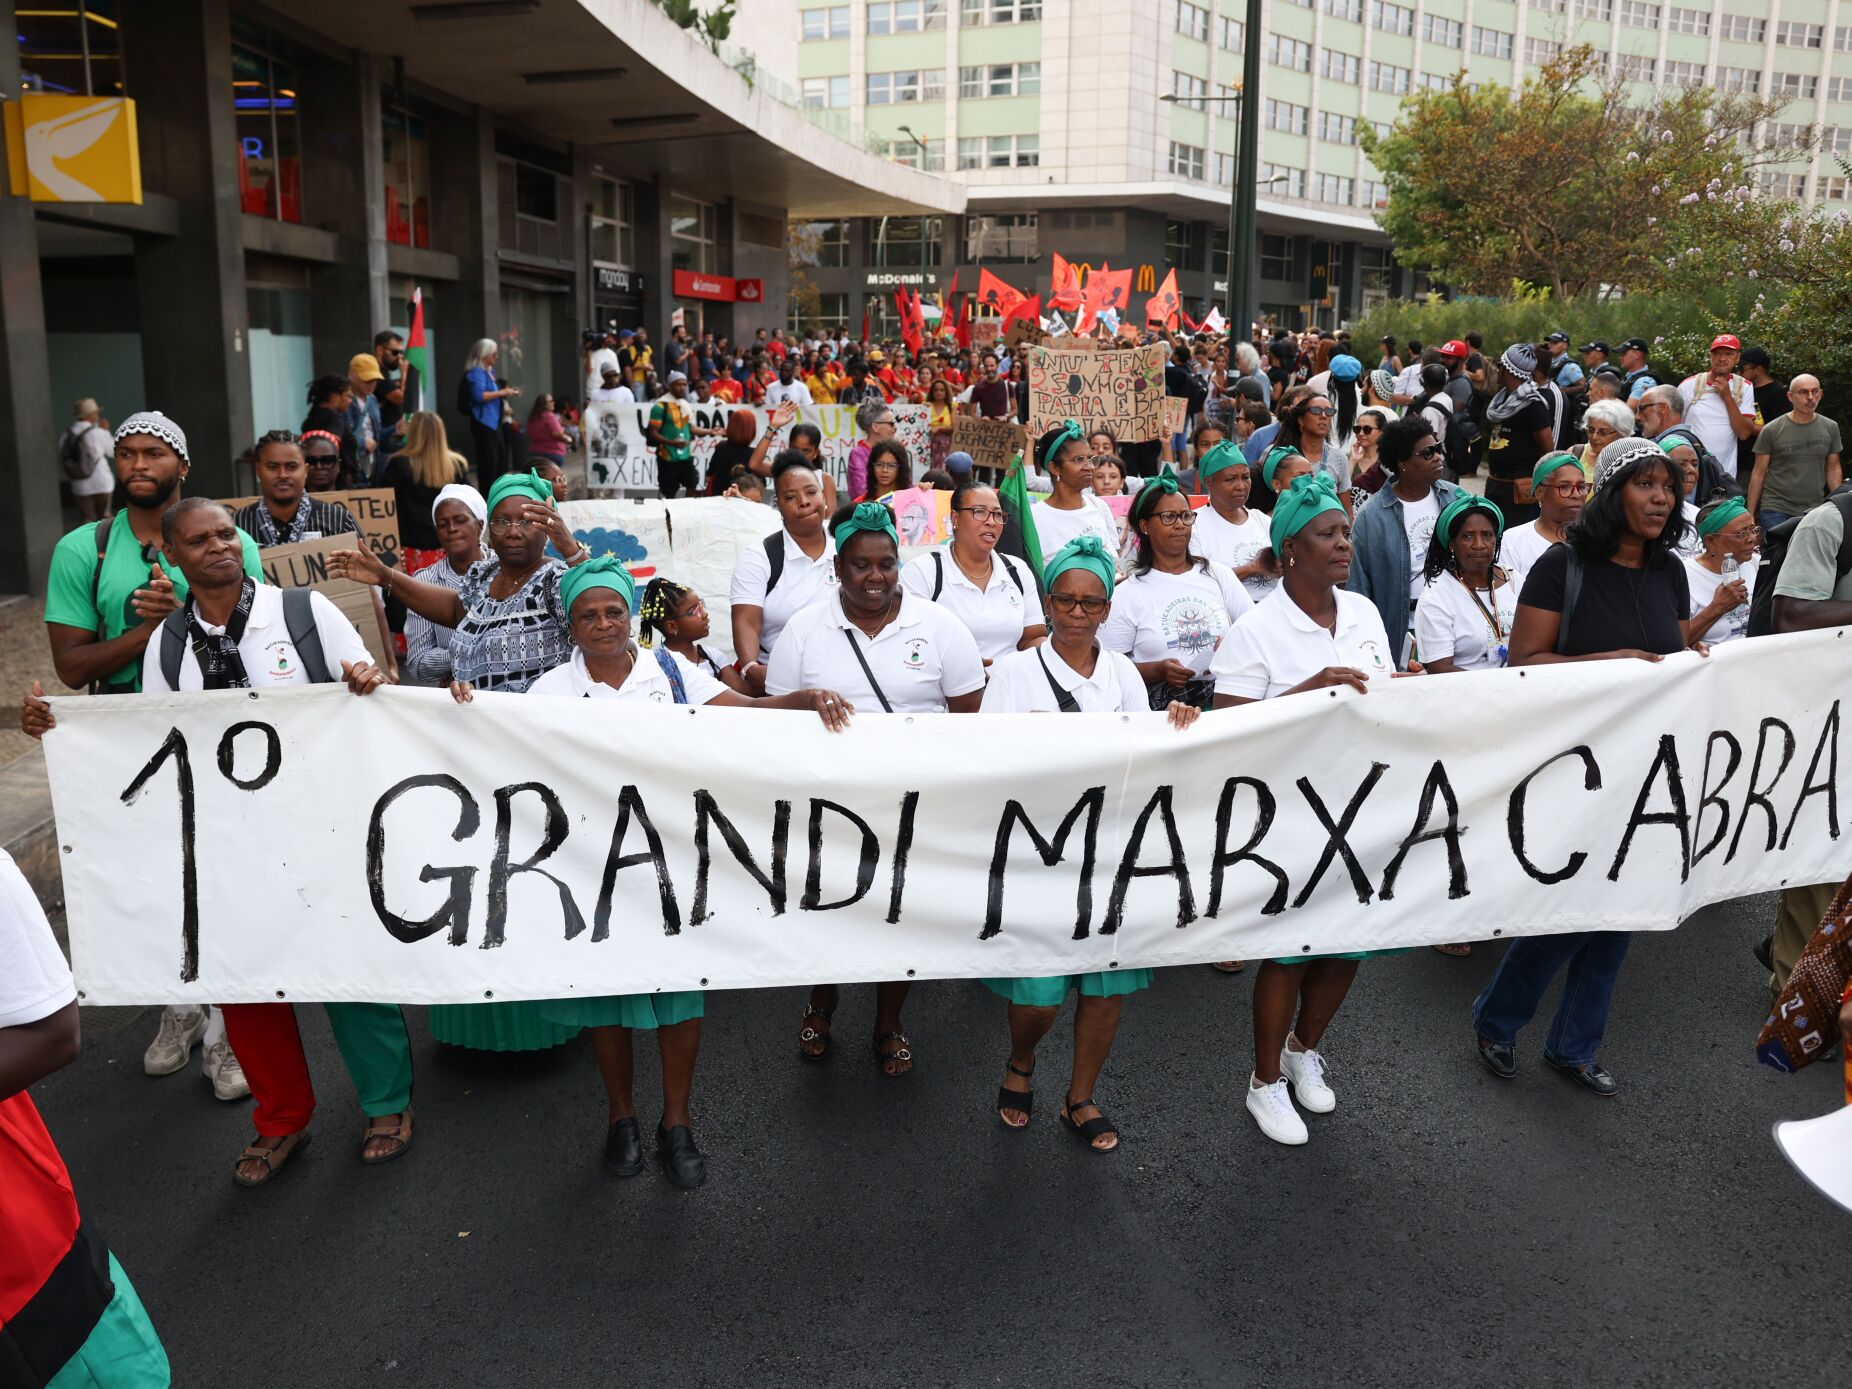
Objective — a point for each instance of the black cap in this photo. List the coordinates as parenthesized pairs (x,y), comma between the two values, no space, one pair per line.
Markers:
(1756,357)
(1637,344)
(1558,336)
(1596,346)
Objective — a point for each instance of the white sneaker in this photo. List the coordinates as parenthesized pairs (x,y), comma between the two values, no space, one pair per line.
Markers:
(1273,1110)
(1306,1071)
(221,1067)
(168,1052)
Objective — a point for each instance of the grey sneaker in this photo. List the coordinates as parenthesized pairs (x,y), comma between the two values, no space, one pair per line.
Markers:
(221,1067)
(181,1027)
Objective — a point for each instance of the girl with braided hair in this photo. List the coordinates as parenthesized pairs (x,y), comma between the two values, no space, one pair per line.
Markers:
(674,615)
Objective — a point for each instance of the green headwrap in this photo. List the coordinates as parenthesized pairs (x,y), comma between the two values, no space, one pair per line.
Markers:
(1276,455)
(1548,464)
(1721,515)
(1310,495)
(1156,488)
(1086,552)
(607,571)
(1454,513)
(520,485)
(867,516)
(1678,441)
(1224,455)
(1069,430)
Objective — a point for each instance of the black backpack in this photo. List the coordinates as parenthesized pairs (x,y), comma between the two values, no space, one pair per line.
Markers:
(298,616)
(1775,549)
(1457,444)
(466,402)
(775,557)
(71,453)
(938,574)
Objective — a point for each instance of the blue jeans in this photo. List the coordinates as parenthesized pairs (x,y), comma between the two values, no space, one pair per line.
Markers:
(1768,520)
(1511,999)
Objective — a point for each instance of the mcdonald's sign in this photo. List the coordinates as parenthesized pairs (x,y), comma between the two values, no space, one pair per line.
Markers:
(1147,280)
(1081,271)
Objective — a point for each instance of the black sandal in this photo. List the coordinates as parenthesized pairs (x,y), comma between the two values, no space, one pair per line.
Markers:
(903,1052)
(1023,1101)
(1092,1129)
(810,1034)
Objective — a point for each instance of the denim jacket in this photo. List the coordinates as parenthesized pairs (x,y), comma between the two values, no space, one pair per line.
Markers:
(1379,559)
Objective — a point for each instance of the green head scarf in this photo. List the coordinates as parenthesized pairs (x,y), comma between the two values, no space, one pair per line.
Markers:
(1069,430)
(1156,488)
(867,516)
(520,485)
(1224,455)
(1549,463)
(1309,496)
(1721,515)
(1275,456)
(607,571)
(1086,552)
(1457,510)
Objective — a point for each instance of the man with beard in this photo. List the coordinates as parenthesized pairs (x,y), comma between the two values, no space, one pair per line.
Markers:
(107,593)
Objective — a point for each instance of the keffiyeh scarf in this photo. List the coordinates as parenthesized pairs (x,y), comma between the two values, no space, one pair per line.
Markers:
(269,533)
(220,665)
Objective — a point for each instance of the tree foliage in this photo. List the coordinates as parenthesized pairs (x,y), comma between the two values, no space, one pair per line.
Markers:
(1561,183)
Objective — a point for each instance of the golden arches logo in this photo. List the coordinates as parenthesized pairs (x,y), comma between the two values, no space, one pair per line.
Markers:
(1147,279)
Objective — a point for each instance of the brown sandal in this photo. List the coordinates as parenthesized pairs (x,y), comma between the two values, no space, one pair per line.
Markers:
(400,1133)
(273,1159)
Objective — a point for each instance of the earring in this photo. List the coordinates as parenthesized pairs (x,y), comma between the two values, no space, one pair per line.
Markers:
(1291,560)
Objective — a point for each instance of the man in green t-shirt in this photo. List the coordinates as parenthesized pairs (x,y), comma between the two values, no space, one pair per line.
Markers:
(99,620)
(672,431)
(1797,459)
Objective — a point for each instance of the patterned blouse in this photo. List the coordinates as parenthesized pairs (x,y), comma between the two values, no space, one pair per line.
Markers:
(508,643)
(427,646)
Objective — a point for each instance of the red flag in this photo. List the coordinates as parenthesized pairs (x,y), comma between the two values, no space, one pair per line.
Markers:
(1065,293)
(1188,322)
(912,321)
(1106,289)
(864,324)
(1164,306)
(1000,296)
(1030,308)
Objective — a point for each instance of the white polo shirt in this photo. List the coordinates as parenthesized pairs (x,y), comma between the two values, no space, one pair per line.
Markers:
(646,681)
(1521,549)
(270,657)
(1275,646)
(1216,538)
(1055,527)
(921,659)
(801,582)
(1449,624)
(1019,686)
(997,614)
(1177,617)
(1709,416)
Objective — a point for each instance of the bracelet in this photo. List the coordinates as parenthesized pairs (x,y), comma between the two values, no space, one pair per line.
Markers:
(583,553)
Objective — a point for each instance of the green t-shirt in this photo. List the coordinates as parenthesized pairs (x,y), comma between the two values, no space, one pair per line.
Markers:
(1811,568)
(671,419)
(125,569)
(1796,479)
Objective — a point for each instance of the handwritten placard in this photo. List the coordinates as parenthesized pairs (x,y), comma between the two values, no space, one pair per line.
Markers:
(1121,390)
(1176,410)
(305,565)
(376,512)
(991,443)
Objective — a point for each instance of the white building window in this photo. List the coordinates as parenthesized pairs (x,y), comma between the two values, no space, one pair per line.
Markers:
(1832,189)
(1794,86)
(1334,188)
(1639,15)
(1742,28)
(1340,130)
(1537,52)
(1372,193)
(1289,53)
(1635,67)
(1493,43)
(1839,89)
(1344,9)
(1386,77)
(1283,115)
(1224,169)
(1739,79)
(1448,33)
(1392,19)
(895,88)
(1684,74)
(1842,39)
(1192,21)
(826,92)
(614,223)
(1186,161)
(1188,89)
(1685,21)
(974,12)
(905,16)
(999,79)
(828,23)
(1341,67)
(1230,34)
(1281,181)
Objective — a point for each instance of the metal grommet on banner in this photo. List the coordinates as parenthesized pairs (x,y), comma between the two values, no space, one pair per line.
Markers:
(488,993)
(65,847)
(279,993)
(704,983)
(1305,950)
(909,974)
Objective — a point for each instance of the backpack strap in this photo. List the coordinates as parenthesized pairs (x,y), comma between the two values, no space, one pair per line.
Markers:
(938,575)
(305,636)
(666,659)
(1009,567)
(173,646)
(1572,590)
(774,557)
(100,538)
(1064,699)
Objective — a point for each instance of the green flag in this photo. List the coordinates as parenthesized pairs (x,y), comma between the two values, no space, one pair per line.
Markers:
(1019,538)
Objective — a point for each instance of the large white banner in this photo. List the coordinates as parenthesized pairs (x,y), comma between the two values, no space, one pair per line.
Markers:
(310,845)
(618,453)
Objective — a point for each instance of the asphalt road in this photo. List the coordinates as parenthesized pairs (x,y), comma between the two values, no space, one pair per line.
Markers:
(1441,1227)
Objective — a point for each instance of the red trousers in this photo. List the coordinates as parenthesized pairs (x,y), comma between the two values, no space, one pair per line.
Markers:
(373,1043)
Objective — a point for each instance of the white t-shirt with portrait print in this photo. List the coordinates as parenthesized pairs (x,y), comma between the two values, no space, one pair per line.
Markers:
(1234,544)
(647,681)
(1450,623)
(1418,520)
(920,660)
(1178,617)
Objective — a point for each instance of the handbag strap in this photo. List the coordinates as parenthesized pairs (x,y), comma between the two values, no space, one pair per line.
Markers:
(862,661)
(1064,699)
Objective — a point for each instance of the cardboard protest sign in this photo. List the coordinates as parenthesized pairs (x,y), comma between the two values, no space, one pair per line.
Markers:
(984,332)
(1016,330)
(1176,411)
(922,515)
(991,443)
(376,512)
(305,565)
(1120,390)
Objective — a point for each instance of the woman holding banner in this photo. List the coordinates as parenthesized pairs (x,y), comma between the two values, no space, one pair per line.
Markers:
(511,629)
(1072,673)
(886,649)
(1629,600)
(992,594)
(795,564)
(1072,509)
(1284,646)
(1170,613)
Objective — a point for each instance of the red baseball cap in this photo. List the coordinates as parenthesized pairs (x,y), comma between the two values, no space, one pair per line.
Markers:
(1456,348)
(1729,340)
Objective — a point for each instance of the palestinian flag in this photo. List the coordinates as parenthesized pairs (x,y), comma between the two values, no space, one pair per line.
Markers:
(1019,538)
(415,362)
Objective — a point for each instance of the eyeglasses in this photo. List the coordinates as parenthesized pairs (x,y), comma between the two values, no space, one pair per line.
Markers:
(1067,602)
(1364,429)
(1569,489)
(1173,519)
(501,525)
(983,515)
(1431,451)
(1321,410)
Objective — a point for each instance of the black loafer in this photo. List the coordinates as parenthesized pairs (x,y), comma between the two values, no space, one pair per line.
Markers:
(1591,1076)
(1499,1058)
(623,1148)
(680,1160)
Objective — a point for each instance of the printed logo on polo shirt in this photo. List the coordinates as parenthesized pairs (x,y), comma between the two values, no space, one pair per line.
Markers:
(915,658)
(1371,652)
(279,660)
(1192,625)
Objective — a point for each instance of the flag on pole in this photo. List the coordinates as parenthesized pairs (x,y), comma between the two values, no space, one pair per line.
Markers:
(416,363)
(1215,323)
(1002,296)
(1065,291)
(1030,309)
(1165,306)
(1019,538)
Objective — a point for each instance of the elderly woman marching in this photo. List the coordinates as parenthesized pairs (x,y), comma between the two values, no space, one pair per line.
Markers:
(1280,648)
(1070,674)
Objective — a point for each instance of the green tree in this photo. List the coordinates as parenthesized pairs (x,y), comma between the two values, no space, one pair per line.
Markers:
(1562,184)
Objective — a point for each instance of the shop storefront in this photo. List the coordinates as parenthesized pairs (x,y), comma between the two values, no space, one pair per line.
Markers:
(617,297)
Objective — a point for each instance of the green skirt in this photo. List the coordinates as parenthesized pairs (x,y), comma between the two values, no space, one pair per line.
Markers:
(1344,955)
(496,1026)
(122,1350)
(1050,991)
(647,1011)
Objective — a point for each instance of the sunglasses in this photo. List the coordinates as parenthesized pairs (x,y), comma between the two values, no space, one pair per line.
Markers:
(1364,429)
(1321,410)
(1431,451)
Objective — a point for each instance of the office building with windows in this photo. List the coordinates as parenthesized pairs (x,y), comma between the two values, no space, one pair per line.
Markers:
(1089,127)
(535,167)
